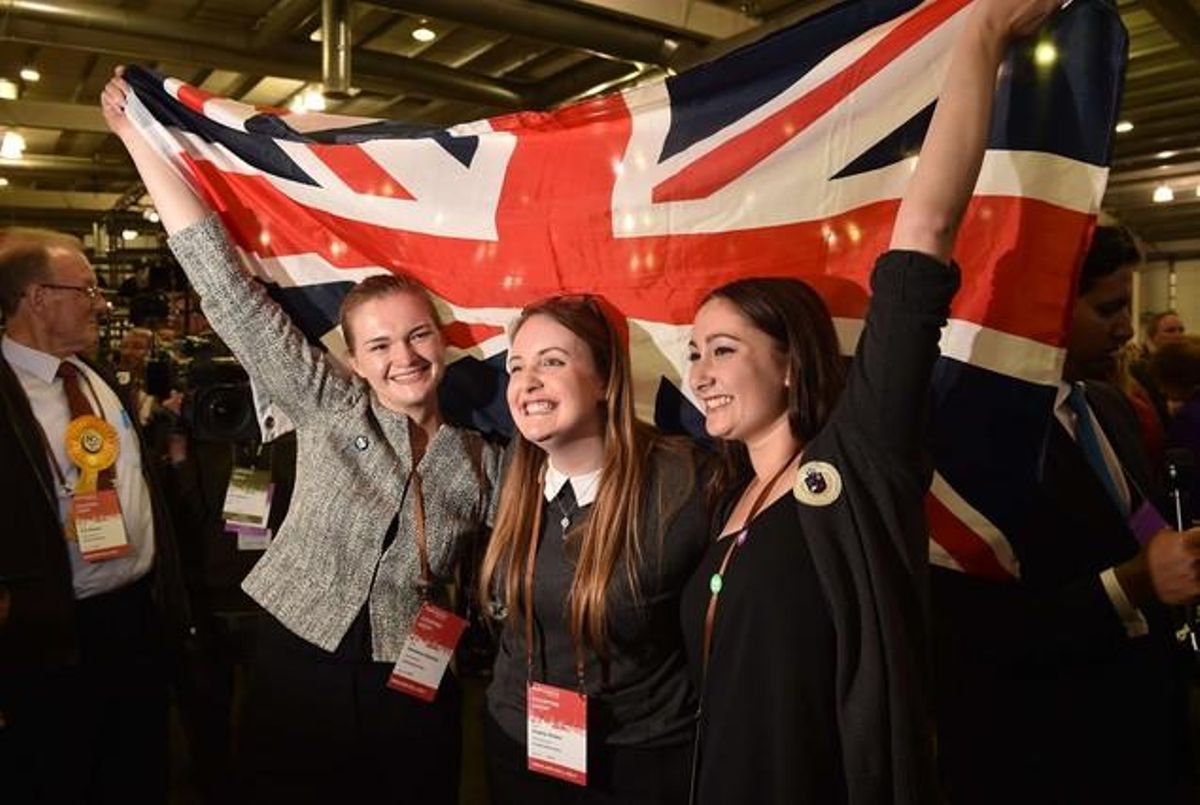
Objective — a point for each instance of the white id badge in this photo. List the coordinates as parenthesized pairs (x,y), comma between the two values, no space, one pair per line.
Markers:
(248,498)
(556,732)
(427,652)
(99,526)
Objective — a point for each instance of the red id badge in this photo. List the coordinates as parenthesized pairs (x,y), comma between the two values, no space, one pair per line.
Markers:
(556,732)
(99,527)
(427,652)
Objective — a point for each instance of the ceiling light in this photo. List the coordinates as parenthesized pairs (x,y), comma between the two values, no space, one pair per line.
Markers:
(1045,54)
(1198,191)
(1124,127)
(4,183)
(423,34)
(151,215)
(310,100)
(12,146)
(30,74)
(1163,194)
(8,89)
(1166,154)
(129,234)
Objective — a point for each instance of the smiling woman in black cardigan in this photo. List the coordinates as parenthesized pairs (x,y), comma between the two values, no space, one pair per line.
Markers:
(806,621)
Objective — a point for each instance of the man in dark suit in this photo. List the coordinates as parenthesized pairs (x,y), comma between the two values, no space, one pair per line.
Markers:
(89,583)
(1067,684)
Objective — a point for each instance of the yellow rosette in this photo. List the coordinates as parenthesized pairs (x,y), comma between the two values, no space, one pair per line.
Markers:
(92,445)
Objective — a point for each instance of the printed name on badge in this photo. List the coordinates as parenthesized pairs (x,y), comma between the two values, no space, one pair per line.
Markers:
(99,527)
(556,732)
(427,652)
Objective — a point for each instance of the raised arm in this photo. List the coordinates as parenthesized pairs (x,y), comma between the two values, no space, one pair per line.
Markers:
(299,378)
(952,153)
(176,203)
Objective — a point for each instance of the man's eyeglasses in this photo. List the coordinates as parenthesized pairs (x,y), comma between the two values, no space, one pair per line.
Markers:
(92,292)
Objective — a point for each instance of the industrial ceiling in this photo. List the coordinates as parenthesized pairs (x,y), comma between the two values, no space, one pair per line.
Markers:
(484,57)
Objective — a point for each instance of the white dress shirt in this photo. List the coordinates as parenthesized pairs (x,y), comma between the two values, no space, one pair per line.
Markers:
(1131,617)
(36,371)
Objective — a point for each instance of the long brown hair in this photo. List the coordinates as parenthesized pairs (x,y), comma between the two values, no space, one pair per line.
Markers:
(797,321)
(613,531)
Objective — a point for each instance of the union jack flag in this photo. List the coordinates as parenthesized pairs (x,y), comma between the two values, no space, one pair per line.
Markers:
(787,157)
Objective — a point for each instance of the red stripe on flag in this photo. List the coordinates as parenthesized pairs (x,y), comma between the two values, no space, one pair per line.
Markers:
(193,97)
(359,171)
(465,335)
(736,156)
(967,548)
(1018,255)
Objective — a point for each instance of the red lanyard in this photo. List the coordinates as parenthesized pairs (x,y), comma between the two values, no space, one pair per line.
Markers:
(530,564)
(736,538)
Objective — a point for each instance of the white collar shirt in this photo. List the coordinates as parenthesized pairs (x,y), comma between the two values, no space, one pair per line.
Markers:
(584,486)
(36,371)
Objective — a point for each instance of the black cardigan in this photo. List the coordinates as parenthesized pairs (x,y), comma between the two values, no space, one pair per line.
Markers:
(870,546)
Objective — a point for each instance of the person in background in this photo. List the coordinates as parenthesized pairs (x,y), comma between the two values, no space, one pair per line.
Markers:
(1150,424)
(86,625)
(387,498)
(1176,366)
(807,620)
(601,520)
(1162,328)
(1053,670)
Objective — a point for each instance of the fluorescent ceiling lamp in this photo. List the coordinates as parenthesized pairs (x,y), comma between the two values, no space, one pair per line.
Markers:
(30,74)
(129,234)
(8,89)
(1163,194)
(424,34)
(4,183)
(1124,127)
(12,146)
(310,100)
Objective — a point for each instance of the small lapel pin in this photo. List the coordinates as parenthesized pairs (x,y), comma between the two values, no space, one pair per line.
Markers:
(360,442)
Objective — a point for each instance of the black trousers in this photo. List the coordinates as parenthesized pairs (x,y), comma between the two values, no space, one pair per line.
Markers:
(322,727)
(617,775)
(95,732)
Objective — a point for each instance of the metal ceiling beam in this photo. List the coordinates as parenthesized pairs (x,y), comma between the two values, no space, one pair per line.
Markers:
(278,24)
(77,222)
(785,18)
(707,19)
(576,27)
(47,115)
(57,199)
(142,36)
(32,165)
(1180,19)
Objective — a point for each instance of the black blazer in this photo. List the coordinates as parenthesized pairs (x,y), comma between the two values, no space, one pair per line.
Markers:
(1040,691)
(34,566)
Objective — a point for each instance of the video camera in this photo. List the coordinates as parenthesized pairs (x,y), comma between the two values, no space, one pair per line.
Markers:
(218,404)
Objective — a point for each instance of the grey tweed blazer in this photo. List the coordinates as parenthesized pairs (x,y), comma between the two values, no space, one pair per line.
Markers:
(352,470)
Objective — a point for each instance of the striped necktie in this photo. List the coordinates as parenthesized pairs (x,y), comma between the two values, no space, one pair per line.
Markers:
(1089,443)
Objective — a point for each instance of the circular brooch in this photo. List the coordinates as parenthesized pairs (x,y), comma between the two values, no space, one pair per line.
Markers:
(818,483)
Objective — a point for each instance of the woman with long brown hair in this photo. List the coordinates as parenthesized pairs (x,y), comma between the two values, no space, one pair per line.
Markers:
(600,522)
